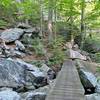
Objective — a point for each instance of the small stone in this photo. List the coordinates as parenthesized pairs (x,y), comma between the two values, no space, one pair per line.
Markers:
(19,45)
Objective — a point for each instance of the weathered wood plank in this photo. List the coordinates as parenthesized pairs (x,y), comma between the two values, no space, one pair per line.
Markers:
(67,85)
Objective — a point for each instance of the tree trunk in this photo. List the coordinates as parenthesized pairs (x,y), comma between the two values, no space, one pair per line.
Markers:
(82,22)
(55,18)
(50,15)
(71,23)
(41,18)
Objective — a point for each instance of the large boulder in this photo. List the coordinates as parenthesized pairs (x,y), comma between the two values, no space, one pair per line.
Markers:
(11,35)
(88,80)
(9,95)
(75,55)
(90,66)
(33,74)
(11,74)
(15,73)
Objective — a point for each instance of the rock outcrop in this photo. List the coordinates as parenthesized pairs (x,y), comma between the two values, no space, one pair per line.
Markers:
(15,73)
(11,35)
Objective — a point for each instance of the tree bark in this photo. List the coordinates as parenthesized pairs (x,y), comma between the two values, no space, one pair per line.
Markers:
(50,15)
(82,22)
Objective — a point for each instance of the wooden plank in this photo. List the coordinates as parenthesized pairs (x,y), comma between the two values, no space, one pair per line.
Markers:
(67,85)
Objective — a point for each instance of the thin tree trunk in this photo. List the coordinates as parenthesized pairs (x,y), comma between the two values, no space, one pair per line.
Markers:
(71,22)
(82,22)
(55,13)
(50,14)
(41,18)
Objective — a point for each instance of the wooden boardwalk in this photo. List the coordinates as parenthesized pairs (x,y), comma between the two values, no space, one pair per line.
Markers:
(67,85)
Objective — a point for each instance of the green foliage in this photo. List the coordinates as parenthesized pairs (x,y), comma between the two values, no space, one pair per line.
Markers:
(57,42)
(98,69)
(29,10)
(27,40)
(92,45)
(65,29)
(37,63)
(35,45)
(57,51)
(68,8)
(3,24)
(38,47)
(8,10)
(57,58)
(95,57)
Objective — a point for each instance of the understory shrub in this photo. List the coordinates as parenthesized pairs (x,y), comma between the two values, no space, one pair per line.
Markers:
(92,45)
(3,24)
(57,51)
(38,47)
(95,57)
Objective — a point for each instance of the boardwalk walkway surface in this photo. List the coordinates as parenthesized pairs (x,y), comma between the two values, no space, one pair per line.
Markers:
(67,85)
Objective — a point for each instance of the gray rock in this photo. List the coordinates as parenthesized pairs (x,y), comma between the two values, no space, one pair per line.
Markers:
(15,73)
(38,94)
(29,86)
(26,39)
(88,79)
(97,89)
(11,74)
(19,45)
(48,71)
(40,81)
(9,95)
(45,68)
(4,49)
(75,54)
(11,35)
(17,54)
(5,88)
(94,96)
(23,26)
(44,89)
(32,68)
(30,30)
(76,47)
(33,74)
